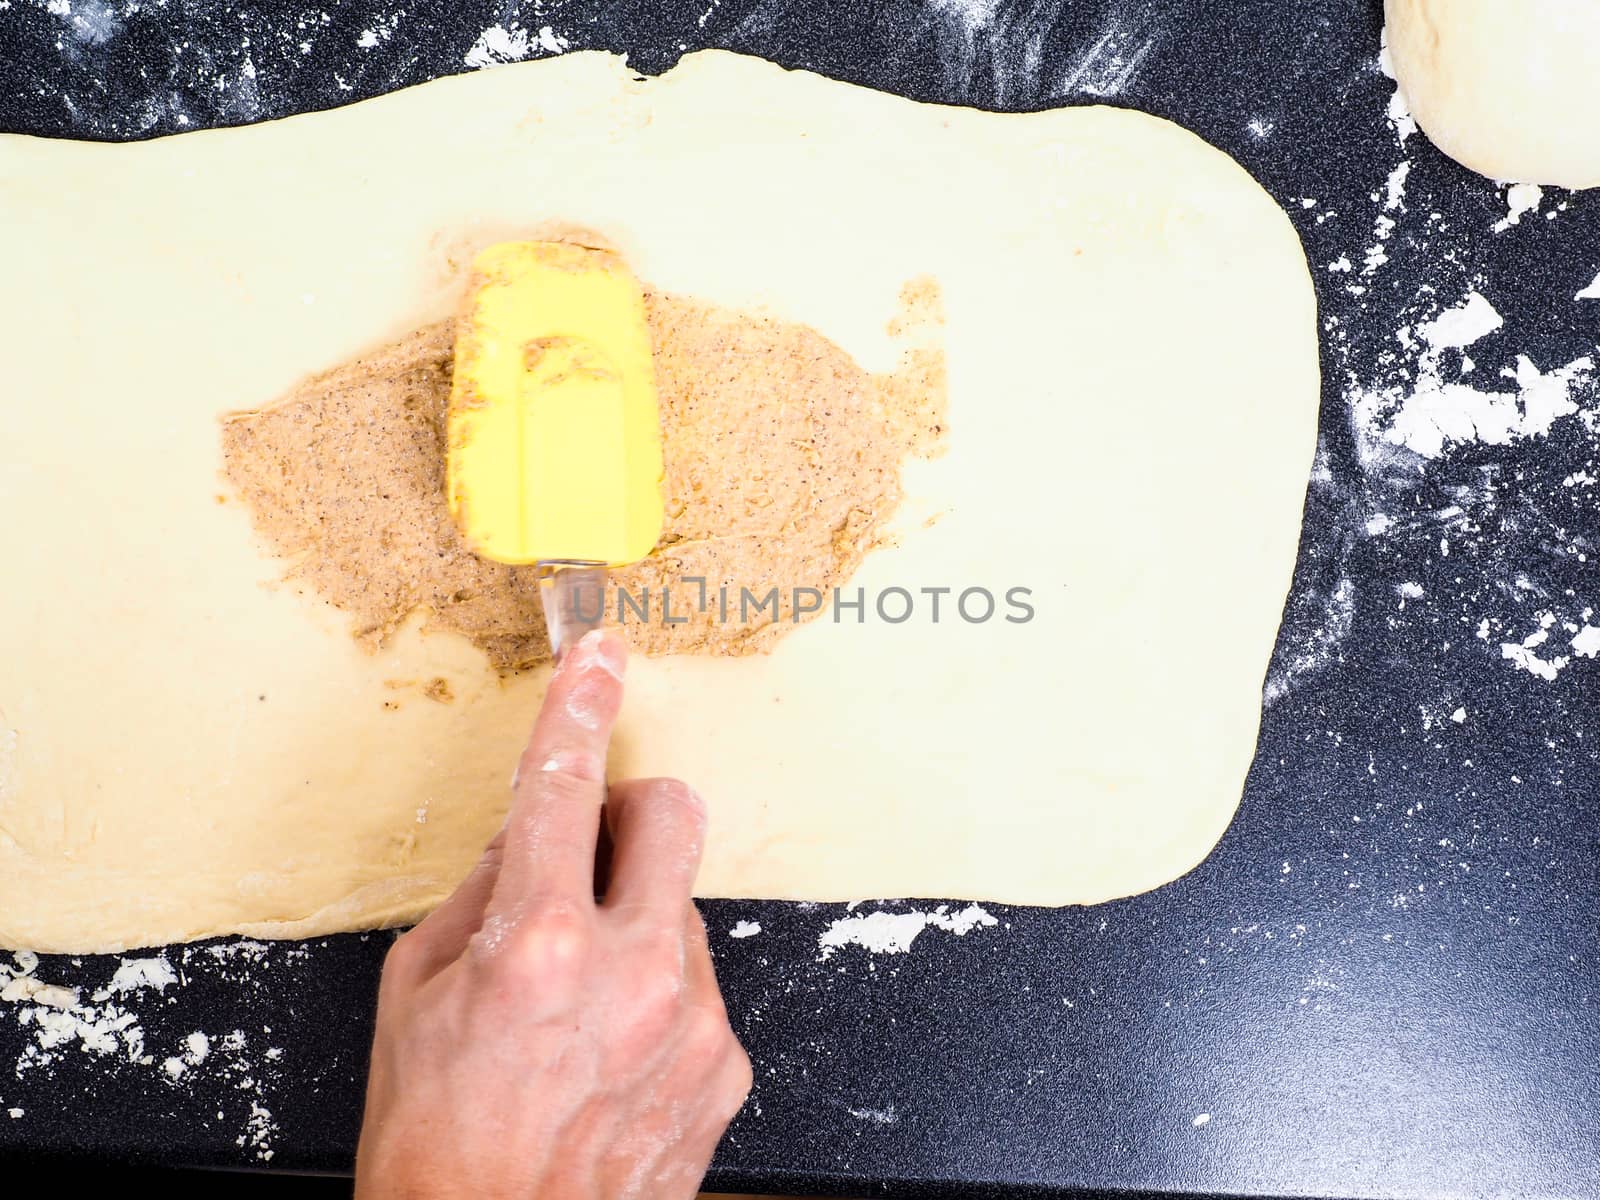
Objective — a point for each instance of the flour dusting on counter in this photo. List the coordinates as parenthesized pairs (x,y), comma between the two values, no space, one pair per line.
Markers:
(876,1116)
(992,53)
(1398,112)
(1521,199)
(195,1049)
(884,932)
(136,974)
(1431,413)
(1473,413)
(510,43)
(1114,60)
(69,1012)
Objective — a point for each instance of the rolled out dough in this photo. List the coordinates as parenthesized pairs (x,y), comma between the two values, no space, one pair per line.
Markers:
(188,748)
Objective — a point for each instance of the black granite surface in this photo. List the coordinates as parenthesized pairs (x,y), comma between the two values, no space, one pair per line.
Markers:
(1382,983)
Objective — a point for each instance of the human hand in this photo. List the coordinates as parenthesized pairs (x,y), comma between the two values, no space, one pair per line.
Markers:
(533,1041)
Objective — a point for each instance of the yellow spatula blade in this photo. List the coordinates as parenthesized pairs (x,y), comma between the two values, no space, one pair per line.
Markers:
(554,436)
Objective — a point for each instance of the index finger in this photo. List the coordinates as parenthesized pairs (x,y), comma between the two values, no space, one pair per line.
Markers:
(560,786)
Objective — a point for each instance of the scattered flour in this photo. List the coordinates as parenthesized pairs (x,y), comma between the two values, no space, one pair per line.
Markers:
(1333,612)
(1401,122)
(1471,320)
(56,1022)
(1437,414)
(1586,643)
(1429,413)
(60,1021)
(976,15)
(877,1116)
(1521,199)
(884,932)
(1523,653)
(196,1048)
(380,31)
(745,929)
(1396,188)
(1427,408)
(136,974)
(510,43)
(32,991)
(1112,62)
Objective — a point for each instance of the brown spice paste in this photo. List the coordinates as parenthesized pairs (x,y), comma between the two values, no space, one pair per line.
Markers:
(782,466)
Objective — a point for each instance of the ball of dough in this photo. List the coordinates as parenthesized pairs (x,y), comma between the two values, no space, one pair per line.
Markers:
(1510,88)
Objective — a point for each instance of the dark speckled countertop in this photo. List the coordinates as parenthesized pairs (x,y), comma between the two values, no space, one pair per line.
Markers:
(1382,983)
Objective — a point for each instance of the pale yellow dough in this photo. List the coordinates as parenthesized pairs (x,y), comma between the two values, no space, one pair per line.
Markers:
(188,749)
(1509,88)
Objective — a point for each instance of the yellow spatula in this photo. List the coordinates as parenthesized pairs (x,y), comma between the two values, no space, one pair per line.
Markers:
(554,437)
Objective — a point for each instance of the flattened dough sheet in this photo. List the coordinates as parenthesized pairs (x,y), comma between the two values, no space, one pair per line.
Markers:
(189,747)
